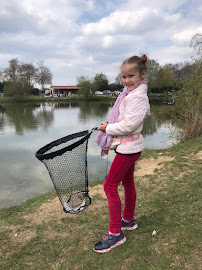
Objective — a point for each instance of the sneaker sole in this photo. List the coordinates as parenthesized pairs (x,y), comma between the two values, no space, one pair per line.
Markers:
(115,245)
(129,228)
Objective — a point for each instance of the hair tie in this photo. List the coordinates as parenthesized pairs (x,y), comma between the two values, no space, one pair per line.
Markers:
(143,58)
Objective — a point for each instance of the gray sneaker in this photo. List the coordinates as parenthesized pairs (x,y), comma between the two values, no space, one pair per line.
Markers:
(132,225)
(108,242)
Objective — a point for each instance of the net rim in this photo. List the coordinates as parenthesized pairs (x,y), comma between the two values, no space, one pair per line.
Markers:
(41,153)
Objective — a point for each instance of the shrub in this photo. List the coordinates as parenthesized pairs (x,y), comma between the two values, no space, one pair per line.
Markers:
(19,88)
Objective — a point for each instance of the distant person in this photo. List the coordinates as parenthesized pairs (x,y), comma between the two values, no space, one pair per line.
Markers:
(172,102)
(122,133)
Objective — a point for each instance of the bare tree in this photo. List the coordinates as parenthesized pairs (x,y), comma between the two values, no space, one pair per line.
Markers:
(43,75)
(196,43)
(28,71)
(2,75)
(12,72)
(118,79)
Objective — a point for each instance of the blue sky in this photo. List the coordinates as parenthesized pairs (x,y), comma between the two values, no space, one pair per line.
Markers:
(85,37)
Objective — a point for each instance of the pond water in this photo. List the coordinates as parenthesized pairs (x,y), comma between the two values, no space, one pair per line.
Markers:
(24,128)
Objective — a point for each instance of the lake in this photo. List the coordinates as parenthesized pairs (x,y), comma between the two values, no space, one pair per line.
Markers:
(26,127)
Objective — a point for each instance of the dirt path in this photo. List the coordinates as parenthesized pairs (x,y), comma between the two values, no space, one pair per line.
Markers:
(52,209)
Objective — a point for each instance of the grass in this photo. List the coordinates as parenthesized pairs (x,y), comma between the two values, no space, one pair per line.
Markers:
(73,98)
(169,201)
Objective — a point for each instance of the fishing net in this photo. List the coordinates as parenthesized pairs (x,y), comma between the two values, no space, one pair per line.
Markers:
(66,162)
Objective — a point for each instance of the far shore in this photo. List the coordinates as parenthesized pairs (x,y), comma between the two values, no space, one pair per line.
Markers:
(75,98)
(57,99)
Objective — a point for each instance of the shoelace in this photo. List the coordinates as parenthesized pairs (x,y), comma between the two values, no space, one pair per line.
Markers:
(105,237)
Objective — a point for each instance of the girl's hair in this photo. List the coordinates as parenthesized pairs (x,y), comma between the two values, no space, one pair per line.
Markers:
(139,61)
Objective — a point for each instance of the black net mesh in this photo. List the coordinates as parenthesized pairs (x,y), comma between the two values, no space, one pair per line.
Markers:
(66,162)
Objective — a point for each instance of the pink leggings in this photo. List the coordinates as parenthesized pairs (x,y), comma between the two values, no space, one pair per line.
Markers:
(122,170)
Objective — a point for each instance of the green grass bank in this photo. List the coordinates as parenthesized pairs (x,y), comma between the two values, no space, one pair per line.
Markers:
(73,98)
(39,235)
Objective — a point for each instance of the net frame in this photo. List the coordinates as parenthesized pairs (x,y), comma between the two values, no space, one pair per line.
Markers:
(50,151)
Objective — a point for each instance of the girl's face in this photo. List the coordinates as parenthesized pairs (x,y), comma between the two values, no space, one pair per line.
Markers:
(131,77)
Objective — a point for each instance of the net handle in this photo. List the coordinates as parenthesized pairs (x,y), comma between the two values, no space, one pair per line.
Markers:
(94,129)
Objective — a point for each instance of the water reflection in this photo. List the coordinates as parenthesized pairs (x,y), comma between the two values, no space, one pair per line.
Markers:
(92,109)
(29,117)
(25,117)
(2,116)
(68,105)
(2,108)
(24,128)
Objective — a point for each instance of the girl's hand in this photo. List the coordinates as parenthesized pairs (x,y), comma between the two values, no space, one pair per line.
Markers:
(102,127)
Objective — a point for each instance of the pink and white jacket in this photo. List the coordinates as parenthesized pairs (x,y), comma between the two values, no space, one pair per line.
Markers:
(133,109)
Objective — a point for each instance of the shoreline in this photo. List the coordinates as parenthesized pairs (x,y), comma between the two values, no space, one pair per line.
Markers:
(73,98)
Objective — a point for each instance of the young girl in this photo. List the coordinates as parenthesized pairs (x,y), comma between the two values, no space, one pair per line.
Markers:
(123,130)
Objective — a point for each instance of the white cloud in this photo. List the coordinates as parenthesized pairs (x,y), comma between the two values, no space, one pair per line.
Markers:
(185,36)
(172,54)
(166,5)
(6,56)
(107,41)
(130,21)
(87,37)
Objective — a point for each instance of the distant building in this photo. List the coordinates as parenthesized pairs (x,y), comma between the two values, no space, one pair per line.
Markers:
(63,90)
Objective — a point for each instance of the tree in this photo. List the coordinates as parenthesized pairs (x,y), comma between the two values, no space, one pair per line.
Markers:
(163,80)
(43,75)
(2,75)
(100,82)
(19,88)
(85,86)
(18,76)
(118,80)
(35,91)
(153,68)
(12,72)
(1,86)
(185,72)
(15,85)
(114,87)
(2,79)
(28,71)
(188,109)
(167,78)
(196,44)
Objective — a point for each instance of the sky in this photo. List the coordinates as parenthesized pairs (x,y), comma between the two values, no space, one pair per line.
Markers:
(87,37)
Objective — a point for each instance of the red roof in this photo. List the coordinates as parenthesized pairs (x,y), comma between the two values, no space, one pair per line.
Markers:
(64,87)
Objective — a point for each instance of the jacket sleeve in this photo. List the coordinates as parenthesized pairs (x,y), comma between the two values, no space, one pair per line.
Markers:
(137,108)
